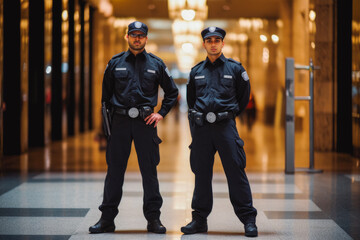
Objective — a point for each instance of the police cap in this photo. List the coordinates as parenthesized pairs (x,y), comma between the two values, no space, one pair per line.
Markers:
(213,31)
(137,26)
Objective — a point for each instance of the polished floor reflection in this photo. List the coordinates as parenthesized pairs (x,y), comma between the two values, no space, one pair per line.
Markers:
(53,193)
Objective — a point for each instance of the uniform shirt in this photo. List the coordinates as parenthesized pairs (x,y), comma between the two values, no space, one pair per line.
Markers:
(133,81)
(218,87)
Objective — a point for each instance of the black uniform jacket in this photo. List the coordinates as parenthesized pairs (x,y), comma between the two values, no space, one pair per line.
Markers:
(133,81)
(218,87)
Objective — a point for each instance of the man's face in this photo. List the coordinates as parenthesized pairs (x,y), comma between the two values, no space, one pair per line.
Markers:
(137,40)
(213,45)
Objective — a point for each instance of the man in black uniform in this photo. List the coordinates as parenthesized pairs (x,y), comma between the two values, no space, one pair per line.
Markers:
(130,89)
(218,90)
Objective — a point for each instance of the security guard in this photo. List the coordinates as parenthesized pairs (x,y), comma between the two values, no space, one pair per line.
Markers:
(130,89)
(218,90)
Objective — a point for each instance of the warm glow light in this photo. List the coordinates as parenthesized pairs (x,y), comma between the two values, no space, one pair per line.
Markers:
(65,15)
(105,7)
(312,45)
(187,47)
(177,9)
(76,16)
(228,50)
(196,3)
(243,37)
(185,62)
(263,38)
(312,15)
(251,23)
(152,47)
(184,27)
(265,55)
(123,22)
(279,23)
(48,70)
(275,38)
(175,4)
(188,15)
(265,161)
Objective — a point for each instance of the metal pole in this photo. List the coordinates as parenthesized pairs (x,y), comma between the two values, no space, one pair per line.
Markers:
(311,112)
(289,116)
(311,119)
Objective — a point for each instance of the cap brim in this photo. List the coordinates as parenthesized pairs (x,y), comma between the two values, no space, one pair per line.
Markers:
(211,34)
(133,30)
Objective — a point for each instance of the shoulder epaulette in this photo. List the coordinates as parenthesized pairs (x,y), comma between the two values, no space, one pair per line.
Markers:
(156,57)
(118,55)
(234,61)
(197,64)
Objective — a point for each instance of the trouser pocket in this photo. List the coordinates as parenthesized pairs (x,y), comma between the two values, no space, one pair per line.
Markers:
(241,159)
(156,157)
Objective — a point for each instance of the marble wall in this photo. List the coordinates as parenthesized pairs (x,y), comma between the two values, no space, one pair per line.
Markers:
(324,83)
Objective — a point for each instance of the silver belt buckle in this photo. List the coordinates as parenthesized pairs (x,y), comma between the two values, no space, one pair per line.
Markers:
(210,117)
(133,112)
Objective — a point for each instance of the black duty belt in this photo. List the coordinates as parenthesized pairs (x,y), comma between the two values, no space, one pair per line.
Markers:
(199,118)
(135,112)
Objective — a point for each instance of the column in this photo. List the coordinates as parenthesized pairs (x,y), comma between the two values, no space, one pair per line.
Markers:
(15,77)
(324,94)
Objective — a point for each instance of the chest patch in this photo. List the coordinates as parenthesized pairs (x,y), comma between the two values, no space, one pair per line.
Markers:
(120,69)
(151,71)
(199,77)
(228,76)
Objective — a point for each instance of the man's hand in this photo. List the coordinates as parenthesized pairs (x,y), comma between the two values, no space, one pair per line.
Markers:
(154,117)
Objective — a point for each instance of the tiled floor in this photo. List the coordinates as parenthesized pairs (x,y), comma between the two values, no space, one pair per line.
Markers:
(53,193)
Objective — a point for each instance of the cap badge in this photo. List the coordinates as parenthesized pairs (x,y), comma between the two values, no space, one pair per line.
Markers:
(212,29)
(138,24)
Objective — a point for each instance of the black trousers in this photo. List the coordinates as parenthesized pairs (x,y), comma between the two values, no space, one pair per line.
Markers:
(224,138)
(123,131)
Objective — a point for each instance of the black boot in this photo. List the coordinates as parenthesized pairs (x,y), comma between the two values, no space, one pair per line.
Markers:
(102,226)
(250,230)
(155,226)
(195,226)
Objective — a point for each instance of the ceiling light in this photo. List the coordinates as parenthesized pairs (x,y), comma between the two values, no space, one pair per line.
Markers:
(312,15)
(105,7)
(151,6)
(226,7)
(275,38)
(64,15)
(187,47)
(188,14)
(263,38)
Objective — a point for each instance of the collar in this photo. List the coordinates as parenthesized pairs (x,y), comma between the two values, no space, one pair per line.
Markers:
(221,59)
(129,54)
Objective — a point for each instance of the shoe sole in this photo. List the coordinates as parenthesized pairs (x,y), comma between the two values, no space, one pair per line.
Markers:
(107,230)
(251,234)
(159,232)
(183,230)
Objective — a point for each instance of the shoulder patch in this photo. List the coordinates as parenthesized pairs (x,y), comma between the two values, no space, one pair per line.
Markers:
(118,55)
(167,72)
(234,61)
(245,76)
(197,65)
